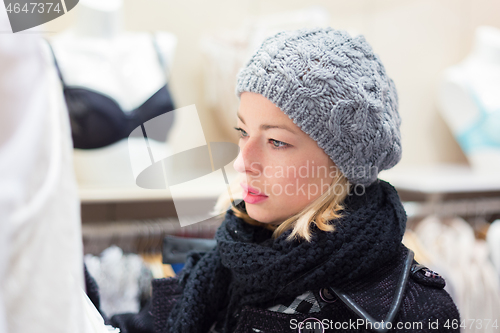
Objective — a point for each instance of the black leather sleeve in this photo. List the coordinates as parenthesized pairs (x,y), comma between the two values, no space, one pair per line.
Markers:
(142,322)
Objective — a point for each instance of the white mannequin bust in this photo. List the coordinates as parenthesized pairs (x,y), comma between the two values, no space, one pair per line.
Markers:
(97,54)
(469,92)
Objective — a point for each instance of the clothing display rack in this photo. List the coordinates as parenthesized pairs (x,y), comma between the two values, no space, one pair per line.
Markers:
(138,220)
(141,236)
(447,191)
(452,221)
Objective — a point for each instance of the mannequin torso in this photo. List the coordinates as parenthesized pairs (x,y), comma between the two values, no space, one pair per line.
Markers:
(126,67)
(98,55)
(470,102)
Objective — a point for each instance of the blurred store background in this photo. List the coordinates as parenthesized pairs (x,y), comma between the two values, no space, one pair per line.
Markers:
(159,55)
(444,56)
(416,40)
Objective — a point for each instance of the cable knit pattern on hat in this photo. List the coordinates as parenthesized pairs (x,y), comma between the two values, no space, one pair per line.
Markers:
(337,91)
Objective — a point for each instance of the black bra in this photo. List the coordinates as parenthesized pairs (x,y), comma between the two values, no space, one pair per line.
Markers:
(97,120)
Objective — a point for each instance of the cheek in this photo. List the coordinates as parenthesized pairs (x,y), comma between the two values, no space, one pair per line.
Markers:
(302,183)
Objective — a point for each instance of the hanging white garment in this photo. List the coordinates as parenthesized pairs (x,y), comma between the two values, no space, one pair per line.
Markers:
(41,264)
(493,240)
(477,289)
(121,278)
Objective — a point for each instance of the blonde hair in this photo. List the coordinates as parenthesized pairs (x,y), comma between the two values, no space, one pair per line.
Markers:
(321,211)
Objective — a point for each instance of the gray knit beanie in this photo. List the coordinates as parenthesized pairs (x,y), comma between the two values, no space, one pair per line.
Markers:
(336,90)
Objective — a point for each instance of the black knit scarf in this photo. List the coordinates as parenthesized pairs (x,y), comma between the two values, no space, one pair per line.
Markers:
(249,268)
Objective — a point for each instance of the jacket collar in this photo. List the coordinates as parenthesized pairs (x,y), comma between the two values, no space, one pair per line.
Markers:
(372,308)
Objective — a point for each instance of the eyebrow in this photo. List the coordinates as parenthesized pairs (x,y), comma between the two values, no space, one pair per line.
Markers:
(266,126)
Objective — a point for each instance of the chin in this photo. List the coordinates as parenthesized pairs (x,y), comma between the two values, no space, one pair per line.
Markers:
(261,215)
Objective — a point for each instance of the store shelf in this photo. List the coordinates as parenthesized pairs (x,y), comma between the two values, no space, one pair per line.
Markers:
(197,189)
(446,190)
(442,178)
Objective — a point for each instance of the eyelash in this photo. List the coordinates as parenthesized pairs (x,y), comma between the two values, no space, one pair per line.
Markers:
(244,134)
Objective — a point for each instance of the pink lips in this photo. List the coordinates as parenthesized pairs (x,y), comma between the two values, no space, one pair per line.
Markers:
(252,195)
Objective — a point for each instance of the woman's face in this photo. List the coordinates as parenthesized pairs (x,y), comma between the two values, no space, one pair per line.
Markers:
(284,168)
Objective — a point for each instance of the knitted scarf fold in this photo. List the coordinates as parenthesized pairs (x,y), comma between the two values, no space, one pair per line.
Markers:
(247,267)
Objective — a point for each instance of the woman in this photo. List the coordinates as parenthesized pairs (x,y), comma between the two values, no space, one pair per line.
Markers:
(316,243)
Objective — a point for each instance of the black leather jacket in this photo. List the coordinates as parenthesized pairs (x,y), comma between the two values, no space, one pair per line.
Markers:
(360,306)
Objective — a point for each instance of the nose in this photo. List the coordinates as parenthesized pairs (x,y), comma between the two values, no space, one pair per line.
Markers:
(239,164)
(248,159)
